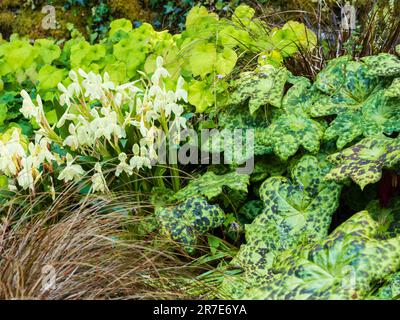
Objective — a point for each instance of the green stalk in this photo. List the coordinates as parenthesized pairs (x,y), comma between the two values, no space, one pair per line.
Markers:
(174,171)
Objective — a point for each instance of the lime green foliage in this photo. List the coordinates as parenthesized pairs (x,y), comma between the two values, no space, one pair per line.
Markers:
(211,185)
(210,48)
(186,221)
(363,162)
(343,266)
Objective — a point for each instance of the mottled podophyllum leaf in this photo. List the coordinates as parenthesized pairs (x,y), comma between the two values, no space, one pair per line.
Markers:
(394,90)
(391,289)
(383,64)
(346,127)
(261,87)
(300,96)
(225,141)
(342,266)
(347,85)
(379,114)
(186,221)
(291,131)
(210,185)
(363,162)
(295,211)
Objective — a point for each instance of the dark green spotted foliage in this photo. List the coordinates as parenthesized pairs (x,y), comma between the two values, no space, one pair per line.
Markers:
(383,64)
(224,139)
(186,221)
(210,185)
(390,290)
(291,131)
(364,161)
(358,98)
(260,87)
(394,90)
(345,265)
(295,211)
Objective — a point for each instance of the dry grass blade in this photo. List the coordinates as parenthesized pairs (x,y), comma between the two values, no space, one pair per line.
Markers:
(86,254)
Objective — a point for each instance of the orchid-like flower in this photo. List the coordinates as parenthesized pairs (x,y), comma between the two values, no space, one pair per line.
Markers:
(29,110)
(71,172)
(123,166)
(98,181)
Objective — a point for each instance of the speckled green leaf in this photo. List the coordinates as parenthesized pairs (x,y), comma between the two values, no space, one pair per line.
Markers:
(342,266)
(383,64)
(345,128)
(295,211)
(363,162)
(391,289)
(239,119)
(394,89)
(379,114)
(186,221)
(347,86)
(261,87)
(210,185)
(300,96)
(291,131)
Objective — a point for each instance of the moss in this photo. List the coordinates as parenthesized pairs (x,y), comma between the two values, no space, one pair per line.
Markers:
(18,17)
(29,22)
(6,20)
(133,9)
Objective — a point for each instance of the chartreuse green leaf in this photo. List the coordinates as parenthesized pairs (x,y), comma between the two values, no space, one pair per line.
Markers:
(202,59)
(293,37)
(186,221)
(50,76)
(364,161)
(210,185)
(383,64)
(47,50)
(293,130)
(265,86)
(295,210)
(345,265)
(18,54)
(200,95)
(120,25)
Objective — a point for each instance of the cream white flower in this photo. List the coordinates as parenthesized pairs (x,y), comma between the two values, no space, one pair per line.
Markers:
(72,172)
(98,180)
(123,166)
(28,110)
